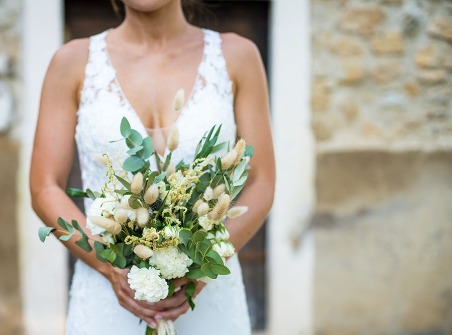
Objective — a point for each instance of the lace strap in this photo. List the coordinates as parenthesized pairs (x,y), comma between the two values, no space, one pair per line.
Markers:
(214,70)
(97,73)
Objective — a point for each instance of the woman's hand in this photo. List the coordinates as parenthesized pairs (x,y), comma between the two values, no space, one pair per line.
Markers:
(176,305)
(142,309)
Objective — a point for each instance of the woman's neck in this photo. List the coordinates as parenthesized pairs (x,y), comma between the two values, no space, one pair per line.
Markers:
(155,27)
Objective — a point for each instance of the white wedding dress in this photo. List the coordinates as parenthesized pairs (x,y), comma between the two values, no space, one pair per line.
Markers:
(93,307)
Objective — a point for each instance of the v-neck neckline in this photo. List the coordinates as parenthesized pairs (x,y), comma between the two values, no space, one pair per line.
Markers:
(127,101)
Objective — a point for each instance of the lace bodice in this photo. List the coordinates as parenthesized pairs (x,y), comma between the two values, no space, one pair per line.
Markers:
(103,104)
(93,307)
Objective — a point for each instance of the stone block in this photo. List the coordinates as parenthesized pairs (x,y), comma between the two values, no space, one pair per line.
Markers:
(441,27)
(349,110)
(351,73)
(388,43)
(321,95)
(387,71)
(323,131)
(362,20)
(432,76)
(411,88)
(434,55)
(346,46)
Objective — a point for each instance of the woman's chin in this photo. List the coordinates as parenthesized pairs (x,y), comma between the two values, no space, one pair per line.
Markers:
(146,5)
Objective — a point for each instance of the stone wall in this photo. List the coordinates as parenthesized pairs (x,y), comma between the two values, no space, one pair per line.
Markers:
(10,303)
(382,117)
(382,73)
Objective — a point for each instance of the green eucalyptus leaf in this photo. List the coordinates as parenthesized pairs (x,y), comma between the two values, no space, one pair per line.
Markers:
(43,232)
(64,224)
(215,256)
(134,202)
(76,225)
(220,147)
(99,248)
(125,128)
(65,237)
(189,294)
(249,151)
(219,269)
(148,148)
(124,182)
(185,235)
(241,180)
(207,269)
(195,273)
(170,288)
(84,244)
(134,150)
(133,164)
(91,194)
(76,193)
(134,139)
(238,171)
(109,255)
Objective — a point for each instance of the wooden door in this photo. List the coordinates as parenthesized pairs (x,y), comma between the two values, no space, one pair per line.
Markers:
(247,18)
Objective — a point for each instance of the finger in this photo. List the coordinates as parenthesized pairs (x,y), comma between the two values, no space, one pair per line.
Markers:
(176,300)
(179,282)
(172,314)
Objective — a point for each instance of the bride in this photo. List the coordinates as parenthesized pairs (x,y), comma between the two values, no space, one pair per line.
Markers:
(134,70)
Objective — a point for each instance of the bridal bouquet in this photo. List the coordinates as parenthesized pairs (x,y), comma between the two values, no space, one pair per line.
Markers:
(165,223)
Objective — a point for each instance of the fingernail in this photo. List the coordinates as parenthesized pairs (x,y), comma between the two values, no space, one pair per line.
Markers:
(152,324)
(158,317)
(151,303)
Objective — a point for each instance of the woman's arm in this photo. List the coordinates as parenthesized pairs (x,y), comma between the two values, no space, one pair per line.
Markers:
(252,115)
(52,159)
(253,124)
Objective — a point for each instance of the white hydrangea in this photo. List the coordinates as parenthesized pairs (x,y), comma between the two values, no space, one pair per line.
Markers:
(206,223)
(171,262)
(100,207)
(224,249)
(108,238)
(147,284)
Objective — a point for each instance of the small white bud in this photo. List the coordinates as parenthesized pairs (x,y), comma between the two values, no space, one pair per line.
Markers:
(218,190)
(173,139)
(137,183)
(142,216)
(236,211)
(228,160)
(179,100)
(208,194)
(121,215)
(152,194)
(143,251)
(203,209)
(109,225)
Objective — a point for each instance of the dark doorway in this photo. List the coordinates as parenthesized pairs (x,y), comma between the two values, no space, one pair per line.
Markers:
(248,18)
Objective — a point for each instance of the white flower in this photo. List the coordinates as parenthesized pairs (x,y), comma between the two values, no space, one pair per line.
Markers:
(108,238)
(224,249)
(100,207)
(147,284)
(206,223)
(222,235)
(171,262)
(162,189)
(170,232)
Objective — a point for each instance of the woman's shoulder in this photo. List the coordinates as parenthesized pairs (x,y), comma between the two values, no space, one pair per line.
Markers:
(239,53)
(73,52)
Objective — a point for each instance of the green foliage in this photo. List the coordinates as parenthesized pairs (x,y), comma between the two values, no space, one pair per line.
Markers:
(76,193)
(207,143)
(44,232)
(189,293)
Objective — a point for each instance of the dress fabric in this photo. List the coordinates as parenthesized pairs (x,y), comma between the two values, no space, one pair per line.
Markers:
(93,306)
